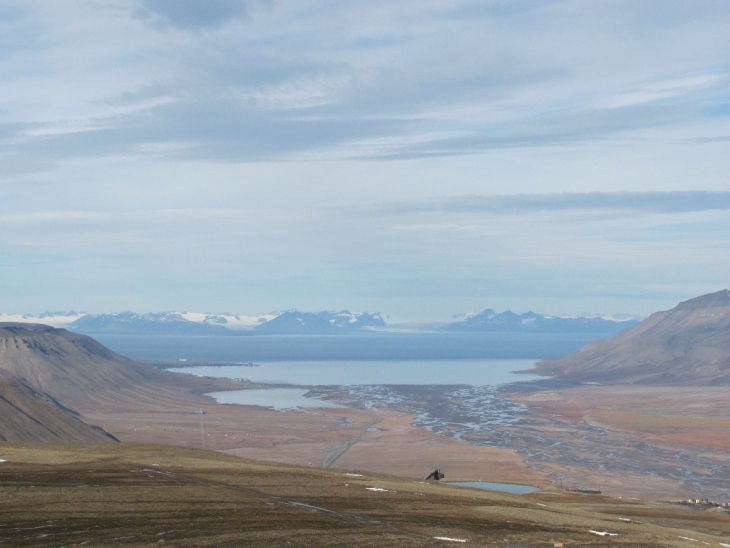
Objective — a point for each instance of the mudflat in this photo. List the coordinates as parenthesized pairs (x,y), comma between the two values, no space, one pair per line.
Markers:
(643,441)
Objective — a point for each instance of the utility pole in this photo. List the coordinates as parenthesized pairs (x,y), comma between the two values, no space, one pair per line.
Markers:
(202,428)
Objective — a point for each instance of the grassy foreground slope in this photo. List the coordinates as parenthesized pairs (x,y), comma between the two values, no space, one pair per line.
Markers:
(140,495)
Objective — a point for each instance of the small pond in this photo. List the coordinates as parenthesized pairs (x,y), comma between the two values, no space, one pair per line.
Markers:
(277,398)
(513,488)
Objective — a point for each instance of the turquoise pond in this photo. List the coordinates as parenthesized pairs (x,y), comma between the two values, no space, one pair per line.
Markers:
(513,488)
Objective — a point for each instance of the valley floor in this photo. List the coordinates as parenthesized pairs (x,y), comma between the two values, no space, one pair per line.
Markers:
(643,442)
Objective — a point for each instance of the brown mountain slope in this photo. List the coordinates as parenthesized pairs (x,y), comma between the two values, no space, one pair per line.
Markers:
(26,415)
(67,366)
(68,371)
(688,345)
(46,372)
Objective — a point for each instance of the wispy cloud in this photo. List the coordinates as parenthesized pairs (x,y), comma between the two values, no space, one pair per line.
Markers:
(291,81)
(646,202)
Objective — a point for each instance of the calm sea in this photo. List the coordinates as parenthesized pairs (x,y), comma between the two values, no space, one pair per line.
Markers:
(362,372)
(357,360)
(361,346)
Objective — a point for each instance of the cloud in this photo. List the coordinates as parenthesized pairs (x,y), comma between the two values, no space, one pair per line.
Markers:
(192,14)
(641,202)
(246,126)
(512,251)
(655,91)
(704,140)
(306,81)
(573,128)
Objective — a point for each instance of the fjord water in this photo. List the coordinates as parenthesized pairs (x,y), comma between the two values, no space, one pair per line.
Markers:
(359,346)
(362,359)
(357,359)
(368,372)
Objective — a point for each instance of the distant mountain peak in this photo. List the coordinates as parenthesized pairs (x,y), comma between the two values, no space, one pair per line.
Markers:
(344,321)
(161,323)
(508,321)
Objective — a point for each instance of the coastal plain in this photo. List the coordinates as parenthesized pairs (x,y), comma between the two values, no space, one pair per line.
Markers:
(629,441)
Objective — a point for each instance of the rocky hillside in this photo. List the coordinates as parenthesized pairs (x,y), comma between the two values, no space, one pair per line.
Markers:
(47,372)
(66,366)
(52,379)
(687,345)
(27,415)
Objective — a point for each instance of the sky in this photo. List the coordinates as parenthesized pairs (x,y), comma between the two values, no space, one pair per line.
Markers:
(421,159)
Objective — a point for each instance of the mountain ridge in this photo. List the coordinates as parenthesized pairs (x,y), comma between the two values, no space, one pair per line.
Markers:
(66,366)
(52,379)
(297,322)
(508,321)
(689,344)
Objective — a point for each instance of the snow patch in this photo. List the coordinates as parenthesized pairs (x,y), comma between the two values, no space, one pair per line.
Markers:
(54,319)
(232,321)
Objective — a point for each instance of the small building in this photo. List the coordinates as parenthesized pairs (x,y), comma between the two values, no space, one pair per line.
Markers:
(435,475)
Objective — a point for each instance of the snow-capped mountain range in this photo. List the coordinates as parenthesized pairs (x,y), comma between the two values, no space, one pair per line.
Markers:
(508,321)
(194,323)
(296,322)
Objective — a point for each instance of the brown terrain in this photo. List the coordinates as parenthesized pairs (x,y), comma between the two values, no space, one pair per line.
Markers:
(26,415)
(655,415)
(145,495)
(630,440)
(637,441)
(138,403)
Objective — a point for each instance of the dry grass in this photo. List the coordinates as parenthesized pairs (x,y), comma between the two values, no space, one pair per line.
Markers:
(139,495)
